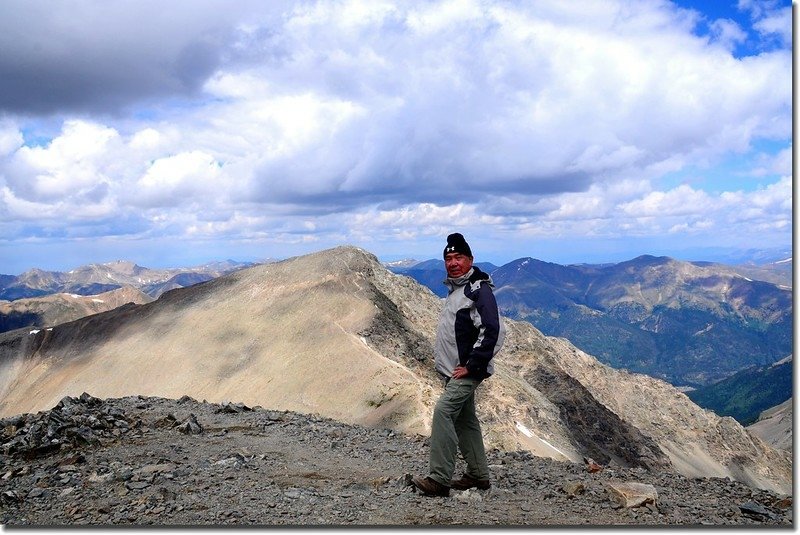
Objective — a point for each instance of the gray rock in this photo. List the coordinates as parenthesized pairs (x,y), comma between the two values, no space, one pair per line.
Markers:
(233,408)
(190,426)
(136,485)
(756,511)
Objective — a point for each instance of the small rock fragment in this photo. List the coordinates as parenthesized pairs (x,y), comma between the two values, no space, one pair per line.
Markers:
(574,488)
(191,426)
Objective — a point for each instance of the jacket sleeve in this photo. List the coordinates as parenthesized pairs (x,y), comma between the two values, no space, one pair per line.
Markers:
(489,331)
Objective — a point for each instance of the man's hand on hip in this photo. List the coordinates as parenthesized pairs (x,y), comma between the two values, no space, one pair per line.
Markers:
(459,372)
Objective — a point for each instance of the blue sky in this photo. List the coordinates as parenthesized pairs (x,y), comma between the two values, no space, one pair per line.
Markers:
(177,133)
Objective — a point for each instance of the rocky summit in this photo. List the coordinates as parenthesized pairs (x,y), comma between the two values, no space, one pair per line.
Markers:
(336,334)
(148,461)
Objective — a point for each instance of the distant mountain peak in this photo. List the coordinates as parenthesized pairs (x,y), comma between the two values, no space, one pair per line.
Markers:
(404,263)
(649,260)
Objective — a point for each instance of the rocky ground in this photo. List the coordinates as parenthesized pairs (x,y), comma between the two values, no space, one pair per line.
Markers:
(160,462)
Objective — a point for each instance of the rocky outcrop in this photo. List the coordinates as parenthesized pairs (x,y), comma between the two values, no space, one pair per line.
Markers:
(336,334)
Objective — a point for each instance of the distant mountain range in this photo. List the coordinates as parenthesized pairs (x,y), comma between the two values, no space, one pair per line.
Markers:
(98,278)
(54,309)
(259,336)
(691,324)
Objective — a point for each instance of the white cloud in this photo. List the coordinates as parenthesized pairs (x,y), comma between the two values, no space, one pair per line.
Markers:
(772,200)
(770,17)
(682,200)
(728,33)
(690,228)
(169,181)
(238,224)
(147,139)
(443,16)
(70,165)
(782,162)
(501,93)
(331,119)
(14,208)
(773,164)
(778,23)
(10,138)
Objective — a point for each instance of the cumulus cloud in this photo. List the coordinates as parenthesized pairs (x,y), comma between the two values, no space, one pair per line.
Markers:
(457,100)
(170,180)
(69,166)
(682,200)
(309,119)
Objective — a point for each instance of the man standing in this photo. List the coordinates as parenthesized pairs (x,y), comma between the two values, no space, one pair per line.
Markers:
(470,333)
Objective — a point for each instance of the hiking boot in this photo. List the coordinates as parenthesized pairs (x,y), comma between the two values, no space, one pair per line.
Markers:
(429,487)
(467,482)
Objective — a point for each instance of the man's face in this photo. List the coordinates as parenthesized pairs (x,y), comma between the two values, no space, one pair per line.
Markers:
(457,264)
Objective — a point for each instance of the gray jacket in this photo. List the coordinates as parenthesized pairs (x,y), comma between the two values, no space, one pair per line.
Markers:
(470,332)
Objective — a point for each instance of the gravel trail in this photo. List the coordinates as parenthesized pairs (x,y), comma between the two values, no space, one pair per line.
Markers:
(160,462)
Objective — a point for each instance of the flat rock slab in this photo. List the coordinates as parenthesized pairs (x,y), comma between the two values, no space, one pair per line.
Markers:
(631,494)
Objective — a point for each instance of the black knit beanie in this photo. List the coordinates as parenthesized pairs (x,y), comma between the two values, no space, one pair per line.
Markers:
(457,244)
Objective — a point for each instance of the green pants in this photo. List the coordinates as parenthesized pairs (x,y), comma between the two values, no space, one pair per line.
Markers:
(455,426)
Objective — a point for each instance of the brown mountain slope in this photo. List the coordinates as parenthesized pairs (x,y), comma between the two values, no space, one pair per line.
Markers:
(774,426)
(63,307)
(337,334)
(281,336)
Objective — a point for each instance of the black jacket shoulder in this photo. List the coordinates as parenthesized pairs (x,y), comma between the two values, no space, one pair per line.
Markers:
(478,275)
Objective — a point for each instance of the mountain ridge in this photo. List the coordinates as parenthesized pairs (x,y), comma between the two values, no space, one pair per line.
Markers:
(336,333)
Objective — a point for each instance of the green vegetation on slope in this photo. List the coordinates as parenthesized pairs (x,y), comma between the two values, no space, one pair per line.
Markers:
(746,394)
